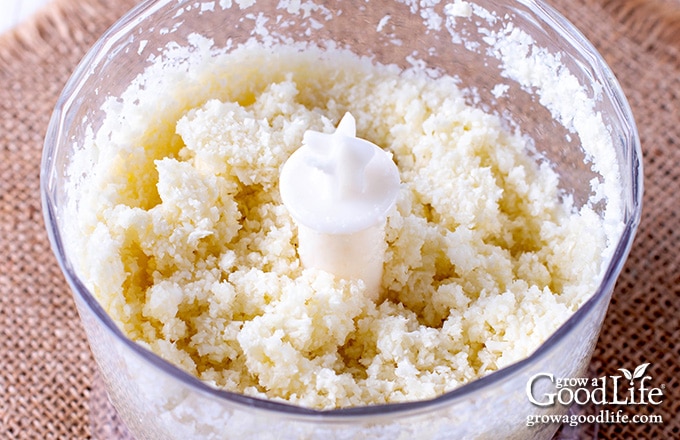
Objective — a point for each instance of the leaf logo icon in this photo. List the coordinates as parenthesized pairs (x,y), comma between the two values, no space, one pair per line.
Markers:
(627,373)
(640,370)
(636,374)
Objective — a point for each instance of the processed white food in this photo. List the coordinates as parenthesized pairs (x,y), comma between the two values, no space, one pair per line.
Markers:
(186,244)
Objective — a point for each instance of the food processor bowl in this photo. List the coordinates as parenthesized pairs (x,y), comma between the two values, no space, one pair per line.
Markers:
(476,43)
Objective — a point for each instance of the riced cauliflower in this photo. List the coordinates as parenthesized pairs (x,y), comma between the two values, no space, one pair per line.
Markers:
(185,242)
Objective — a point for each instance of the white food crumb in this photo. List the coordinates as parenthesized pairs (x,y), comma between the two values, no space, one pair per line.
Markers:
(499,90)
(383,21)
(244,4)
(458,8)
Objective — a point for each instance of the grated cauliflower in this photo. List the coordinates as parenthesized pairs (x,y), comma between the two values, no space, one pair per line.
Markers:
(186,244)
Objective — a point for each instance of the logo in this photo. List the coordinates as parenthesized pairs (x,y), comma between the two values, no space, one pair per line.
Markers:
(630,389)
(638,373)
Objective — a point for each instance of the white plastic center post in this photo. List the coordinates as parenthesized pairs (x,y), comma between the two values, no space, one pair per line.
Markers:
(339,189)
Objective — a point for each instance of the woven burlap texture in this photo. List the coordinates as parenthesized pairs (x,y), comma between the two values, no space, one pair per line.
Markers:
(48,381)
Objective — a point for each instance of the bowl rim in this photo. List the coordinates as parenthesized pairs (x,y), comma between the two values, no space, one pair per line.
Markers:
(547,15)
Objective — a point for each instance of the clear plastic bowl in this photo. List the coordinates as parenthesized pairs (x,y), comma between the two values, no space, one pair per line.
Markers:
(158,400)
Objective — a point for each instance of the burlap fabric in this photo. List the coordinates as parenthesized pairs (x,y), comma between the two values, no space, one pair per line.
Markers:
(48,382)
